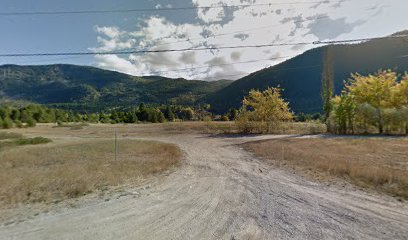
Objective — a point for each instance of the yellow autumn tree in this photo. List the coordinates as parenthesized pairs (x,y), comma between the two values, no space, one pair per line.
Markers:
(400,100)
(262,110)
(376,90)
(379,100)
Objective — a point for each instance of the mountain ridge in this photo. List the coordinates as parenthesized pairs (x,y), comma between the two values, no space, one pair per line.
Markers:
(77,86)
(300,77)
(87,88)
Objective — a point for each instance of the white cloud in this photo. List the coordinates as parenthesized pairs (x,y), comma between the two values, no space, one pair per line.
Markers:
(284,23)
(115,63)
(112,32)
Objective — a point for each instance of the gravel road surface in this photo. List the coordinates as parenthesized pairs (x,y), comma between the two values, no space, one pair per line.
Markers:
(222,192)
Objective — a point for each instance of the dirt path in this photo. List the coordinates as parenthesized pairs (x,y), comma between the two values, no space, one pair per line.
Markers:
(221,192)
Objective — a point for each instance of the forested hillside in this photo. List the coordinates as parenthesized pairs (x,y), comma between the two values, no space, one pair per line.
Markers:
(300,77)
(84,88)
(87,88)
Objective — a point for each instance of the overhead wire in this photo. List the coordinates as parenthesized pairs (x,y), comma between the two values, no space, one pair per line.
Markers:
(31,13)
(199,49)
(218,65)
(240,31)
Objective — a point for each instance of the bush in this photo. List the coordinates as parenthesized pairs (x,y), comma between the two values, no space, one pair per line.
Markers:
(18,124)
(7,123)
(31,122)
(32,141)
(224,118)
(261,111)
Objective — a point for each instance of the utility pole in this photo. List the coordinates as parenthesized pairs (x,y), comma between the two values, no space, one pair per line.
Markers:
(116,145)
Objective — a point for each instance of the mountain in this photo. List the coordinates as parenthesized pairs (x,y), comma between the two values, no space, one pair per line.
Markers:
(91,89)
(300,77)
(85,88)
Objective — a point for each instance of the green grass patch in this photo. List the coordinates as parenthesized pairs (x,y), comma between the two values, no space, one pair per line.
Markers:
(23,141)
(32,141)
(72,126)
(9,135)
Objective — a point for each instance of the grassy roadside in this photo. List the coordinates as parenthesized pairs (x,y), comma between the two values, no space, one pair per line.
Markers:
(9,135)
(212,127)
(380,164)
(10,140)
(59,171)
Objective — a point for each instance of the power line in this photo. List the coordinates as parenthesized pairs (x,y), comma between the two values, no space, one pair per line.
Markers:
(240,31)
(197,49)
(153,73)
(217,65)
(272,70)
(157,9)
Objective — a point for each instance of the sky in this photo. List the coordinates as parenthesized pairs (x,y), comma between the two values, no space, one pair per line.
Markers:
(281,21)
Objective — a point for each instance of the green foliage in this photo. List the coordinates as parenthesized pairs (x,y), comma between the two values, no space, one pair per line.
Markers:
(377,100)
(19,141)
(224,118)
(30,115)
(32,141)
(327,82)
(232,114)
(7,123)
(31,122)
(88,89)
(169,114)
(18,124)
(186,113)
(302,117)
(261,111)
(301,76)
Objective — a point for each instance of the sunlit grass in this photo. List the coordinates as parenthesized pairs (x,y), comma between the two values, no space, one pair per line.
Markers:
(381,164)
(55,172)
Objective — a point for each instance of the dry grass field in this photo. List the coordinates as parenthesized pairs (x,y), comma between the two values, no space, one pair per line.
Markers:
(380,164)
(231,128)
(71,168)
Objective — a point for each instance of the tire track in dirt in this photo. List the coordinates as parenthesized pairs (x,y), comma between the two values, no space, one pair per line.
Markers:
(222,192)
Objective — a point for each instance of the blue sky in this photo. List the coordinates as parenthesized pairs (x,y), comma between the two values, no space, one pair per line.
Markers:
(278,23)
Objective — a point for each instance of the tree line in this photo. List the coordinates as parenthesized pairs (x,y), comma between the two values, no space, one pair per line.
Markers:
(30,115)
(376,103)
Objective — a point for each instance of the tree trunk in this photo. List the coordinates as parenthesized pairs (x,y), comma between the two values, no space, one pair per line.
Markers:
(380,122)
(406,128)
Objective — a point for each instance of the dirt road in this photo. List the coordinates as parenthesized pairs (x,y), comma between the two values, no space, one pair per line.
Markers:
(221,192)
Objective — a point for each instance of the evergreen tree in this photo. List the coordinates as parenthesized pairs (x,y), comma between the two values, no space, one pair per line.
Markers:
(327,82)
(15,114)
(31,122)
(232,114)
(169,114)
(18,124)
(7,123)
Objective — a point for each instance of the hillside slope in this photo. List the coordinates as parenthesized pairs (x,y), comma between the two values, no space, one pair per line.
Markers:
(300,77)
(88,88)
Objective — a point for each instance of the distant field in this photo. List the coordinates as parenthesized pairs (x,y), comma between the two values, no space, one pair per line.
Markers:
(231,128)
(381,164)
(71,168)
